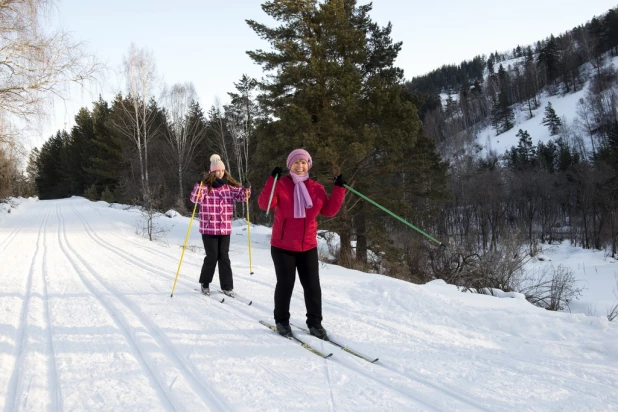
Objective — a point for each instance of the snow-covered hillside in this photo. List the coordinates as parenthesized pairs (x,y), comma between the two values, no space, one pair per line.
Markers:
(564,106)
(87,323)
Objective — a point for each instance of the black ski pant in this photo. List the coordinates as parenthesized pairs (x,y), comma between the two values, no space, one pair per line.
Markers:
(286,264)
(217,249)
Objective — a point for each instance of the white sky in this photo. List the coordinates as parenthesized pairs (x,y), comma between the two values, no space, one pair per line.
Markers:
(205,41)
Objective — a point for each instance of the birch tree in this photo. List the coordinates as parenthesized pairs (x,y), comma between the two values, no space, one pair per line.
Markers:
(183,132)
(139,122)
(36,64)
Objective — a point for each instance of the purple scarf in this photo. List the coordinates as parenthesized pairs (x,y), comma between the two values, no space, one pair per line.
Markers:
(302,200)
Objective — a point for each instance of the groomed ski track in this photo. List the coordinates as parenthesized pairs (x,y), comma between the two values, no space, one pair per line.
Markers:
(88,324)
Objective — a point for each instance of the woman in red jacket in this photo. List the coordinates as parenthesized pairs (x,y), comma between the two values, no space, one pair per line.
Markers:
(297,201)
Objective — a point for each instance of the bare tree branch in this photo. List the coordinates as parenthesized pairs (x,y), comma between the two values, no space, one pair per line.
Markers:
(36,66)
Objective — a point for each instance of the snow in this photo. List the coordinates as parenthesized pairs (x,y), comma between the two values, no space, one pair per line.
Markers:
(87,323)
(565,107)
(596,271)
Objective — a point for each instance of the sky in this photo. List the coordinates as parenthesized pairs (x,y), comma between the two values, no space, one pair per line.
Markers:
(205,42)
(87,323)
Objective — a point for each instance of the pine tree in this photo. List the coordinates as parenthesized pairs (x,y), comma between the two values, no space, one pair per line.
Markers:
(610,31)
(490,65)
(526,152)
(335,91)
(551,120)
(567,157)
(549,58)
(531,88)
(502,116)
(547,156)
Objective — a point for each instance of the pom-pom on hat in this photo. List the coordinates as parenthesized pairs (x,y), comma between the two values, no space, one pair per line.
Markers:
(298,154)
(216,163)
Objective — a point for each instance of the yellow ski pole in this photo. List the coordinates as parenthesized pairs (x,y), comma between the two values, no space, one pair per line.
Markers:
(249,232)
(184,247)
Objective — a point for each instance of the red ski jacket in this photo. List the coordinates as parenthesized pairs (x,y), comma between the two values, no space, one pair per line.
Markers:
(298,234)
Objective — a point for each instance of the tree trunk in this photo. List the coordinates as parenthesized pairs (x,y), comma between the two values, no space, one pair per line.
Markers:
(181,203)
(345,241)
(361,238)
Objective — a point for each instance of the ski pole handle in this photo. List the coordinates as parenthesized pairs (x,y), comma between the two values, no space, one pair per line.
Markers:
(272,192)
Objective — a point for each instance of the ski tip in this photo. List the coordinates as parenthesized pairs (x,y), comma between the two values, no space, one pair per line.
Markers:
(375,360)
(328,356)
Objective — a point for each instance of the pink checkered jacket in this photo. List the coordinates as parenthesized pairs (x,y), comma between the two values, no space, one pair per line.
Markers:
(216,207)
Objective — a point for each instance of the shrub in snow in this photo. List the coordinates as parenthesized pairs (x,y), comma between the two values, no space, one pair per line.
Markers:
(107,195)
(551,287)
(91,193)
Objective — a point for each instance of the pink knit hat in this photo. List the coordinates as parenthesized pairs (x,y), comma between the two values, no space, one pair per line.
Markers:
(216,163)
(298,154)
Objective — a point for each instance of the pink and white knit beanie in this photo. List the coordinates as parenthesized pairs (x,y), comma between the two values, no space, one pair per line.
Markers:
(216,163)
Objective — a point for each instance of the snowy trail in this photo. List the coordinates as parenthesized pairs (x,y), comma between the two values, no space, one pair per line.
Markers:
(27,385)
(142,263)
(87,323)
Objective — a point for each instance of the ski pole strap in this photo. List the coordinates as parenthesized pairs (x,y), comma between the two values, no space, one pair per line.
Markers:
(442,245)
(272,192)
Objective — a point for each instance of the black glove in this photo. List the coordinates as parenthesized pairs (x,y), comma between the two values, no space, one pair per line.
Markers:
(246,185)
(276,172)
(339,181)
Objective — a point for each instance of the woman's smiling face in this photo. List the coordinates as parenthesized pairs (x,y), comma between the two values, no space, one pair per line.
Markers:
(300,167)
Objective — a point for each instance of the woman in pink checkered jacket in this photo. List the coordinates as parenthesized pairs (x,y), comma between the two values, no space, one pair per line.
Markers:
(216,198)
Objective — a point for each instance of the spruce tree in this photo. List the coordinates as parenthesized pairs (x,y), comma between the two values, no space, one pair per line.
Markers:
(334,90)
(107,195)
(82,136)
(106,162)
(51,178)
(526,152)
(551,120)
